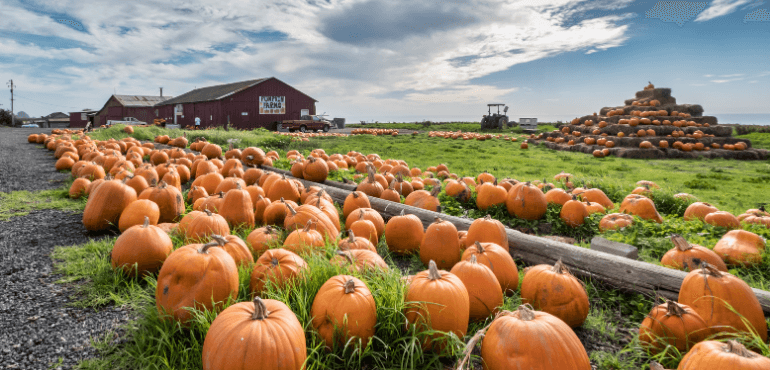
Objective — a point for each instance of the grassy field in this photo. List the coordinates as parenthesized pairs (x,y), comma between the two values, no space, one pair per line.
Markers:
(731,185)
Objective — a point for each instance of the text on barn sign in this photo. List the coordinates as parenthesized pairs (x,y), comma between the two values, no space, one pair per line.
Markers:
(272,105)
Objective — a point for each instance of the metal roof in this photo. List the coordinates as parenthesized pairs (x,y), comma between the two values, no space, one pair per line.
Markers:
(140,100)
(216,92)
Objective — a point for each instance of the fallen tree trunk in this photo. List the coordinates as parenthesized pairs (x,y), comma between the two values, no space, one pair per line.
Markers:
(623,273)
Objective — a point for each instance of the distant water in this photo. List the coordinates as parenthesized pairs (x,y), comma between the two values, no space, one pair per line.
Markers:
(743,119)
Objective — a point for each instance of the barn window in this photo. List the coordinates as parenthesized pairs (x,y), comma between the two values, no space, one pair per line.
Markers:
(83,116)
(156,113)
(245,113)
(211,118)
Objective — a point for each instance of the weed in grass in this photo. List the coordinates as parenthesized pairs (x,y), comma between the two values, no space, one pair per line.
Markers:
(700,184)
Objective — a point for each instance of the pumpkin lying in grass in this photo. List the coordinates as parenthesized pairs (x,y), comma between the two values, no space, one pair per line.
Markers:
(714,355)
(263,333)
(437,300)
(724,301)
(556,347)
(672,324)
(555,290)
(345,305)
(688,257)
(141,249)
(200,276)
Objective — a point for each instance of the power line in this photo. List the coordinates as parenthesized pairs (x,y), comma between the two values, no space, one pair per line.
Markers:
(37,101)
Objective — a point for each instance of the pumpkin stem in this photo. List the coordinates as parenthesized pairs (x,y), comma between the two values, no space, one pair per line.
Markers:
(435,191)
(680,242)
(479,247)
(146,222)
(350,286)
(162,184)
(739,349)
(269,229)
(274,262)
(217,242)
(346,255)
(433,272)
(526,312)
(208,213)
(674,309)
(487,217)
(351,237)
(237,185)
(291,209)
(437,220)
(355,194)
(707,269)
(473,259)
(260,310)
(307,226)
(559,267)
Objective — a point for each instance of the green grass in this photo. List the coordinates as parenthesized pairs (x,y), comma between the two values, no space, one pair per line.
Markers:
(735,190)
(260,137)
(758,140)
(20,203)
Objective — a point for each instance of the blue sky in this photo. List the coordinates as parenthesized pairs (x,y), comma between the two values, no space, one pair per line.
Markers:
(392,60)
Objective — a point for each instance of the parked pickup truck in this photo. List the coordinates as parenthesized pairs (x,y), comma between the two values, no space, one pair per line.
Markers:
(129,121)
(305,123)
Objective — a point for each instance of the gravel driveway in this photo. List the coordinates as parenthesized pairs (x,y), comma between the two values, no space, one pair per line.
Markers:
(39,329)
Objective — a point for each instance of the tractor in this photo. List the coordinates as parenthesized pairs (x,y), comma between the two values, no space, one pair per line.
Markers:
(495,120)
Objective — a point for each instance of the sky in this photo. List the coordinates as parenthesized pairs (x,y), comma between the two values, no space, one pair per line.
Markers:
(390,60)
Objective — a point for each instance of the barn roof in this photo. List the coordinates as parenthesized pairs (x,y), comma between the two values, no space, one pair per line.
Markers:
(140,100)
(217,92)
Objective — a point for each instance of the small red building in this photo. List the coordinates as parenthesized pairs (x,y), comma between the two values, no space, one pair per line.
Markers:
(79,119)
(118,107)
(244,105)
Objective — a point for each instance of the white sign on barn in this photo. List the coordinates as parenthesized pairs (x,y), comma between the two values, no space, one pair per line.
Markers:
(272,105)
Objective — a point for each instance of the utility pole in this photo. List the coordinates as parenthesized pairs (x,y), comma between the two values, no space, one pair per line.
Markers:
(13,118)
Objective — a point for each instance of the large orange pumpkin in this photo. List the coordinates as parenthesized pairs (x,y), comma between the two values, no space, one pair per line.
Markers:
(344,309)
(277,266)
(169,200)
(709,292)
(263,334)
(483,288)
(487,230)
(106,203)
(740,247)
(714,355)
(499,261)
(686,256)
(440,244)
(404,234)
(437,300)
(141,249)
(555,290)
(672,324)
(261,239)
(201,276)
(556,348)
(526,201)
(639,205)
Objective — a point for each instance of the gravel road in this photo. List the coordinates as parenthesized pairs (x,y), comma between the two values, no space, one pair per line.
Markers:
(39,328)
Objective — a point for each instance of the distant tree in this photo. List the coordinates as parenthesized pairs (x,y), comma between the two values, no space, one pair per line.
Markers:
(5,117)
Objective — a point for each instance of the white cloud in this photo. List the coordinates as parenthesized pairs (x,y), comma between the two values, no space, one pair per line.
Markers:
(720,8)
(140,45)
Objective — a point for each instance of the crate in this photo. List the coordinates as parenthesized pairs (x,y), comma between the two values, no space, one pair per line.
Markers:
(528,124)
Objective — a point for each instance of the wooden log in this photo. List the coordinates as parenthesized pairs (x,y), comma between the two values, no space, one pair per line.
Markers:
(622,273)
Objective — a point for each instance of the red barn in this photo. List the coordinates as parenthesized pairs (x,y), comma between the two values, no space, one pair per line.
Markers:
(140,107)
(244,105)
(80,118)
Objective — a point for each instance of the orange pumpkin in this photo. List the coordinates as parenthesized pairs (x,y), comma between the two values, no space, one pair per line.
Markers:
(201,276)
(141,249)
(345,306)
(438,300)
(686,256)
(278,267)
(555,290)
(483,288)
(641,206)
(740,247)
(672,324)
(440,244)
(724,301)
